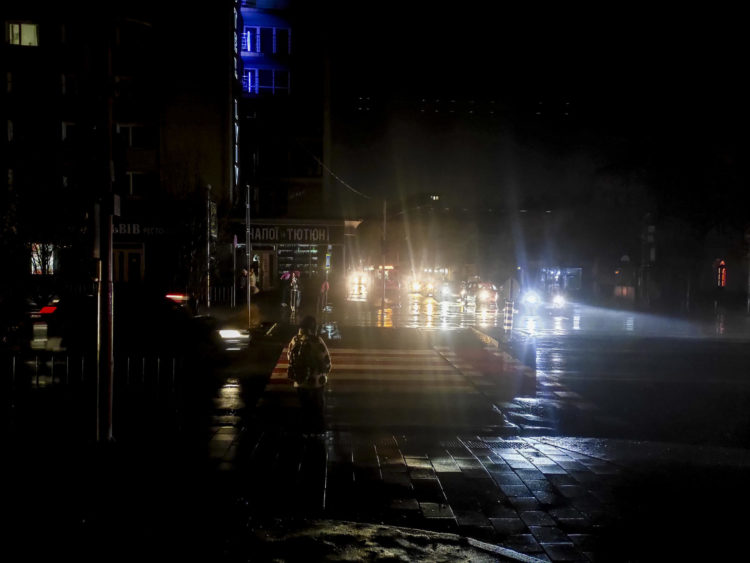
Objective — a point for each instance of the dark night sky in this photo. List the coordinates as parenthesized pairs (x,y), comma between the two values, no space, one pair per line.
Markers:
(661,81)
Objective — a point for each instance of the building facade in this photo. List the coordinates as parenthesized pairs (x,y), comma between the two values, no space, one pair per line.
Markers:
(285,145)
(108,111)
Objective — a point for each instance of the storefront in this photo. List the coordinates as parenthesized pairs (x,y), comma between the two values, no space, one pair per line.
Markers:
(312,247)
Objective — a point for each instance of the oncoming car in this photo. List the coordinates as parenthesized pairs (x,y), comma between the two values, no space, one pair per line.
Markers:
(533,300)
(481,294)
(450,292)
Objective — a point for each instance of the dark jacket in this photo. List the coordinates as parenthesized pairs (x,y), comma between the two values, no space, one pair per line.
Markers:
(318,377)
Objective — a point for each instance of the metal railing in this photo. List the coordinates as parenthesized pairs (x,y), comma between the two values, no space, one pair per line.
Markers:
(162,388)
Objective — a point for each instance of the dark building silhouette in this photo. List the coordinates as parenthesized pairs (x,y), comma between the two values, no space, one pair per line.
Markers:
(141,84)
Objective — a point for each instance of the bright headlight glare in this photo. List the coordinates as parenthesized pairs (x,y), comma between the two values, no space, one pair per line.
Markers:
(484,294)
(230,334)
(558,300)
(531,297)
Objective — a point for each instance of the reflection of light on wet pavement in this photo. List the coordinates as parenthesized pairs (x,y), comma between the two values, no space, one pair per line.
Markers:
(330,330)
(530,325)
(229,395)
(429,308)
(720,327)
(385,318)
(630,324)
(577,322)
(558,329)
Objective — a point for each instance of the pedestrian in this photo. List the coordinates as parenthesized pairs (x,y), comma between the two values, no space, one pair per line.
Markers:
(253,281)
(286,278)
(323,295)
(243,285)
(309,366)
(295,286)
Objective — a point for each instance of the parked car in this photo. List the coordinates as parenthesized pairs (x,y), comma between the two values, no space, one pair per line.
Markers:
(145,323)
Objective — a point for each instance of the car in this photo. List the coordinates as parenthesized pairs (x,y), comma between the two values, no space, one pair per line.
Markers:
(450,292)
(144,323)
(20,318)
(533,300)
(481,294)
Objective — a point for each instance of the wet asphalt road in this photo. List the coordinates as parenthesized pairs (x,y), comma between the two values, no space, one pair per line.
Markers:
(612,373)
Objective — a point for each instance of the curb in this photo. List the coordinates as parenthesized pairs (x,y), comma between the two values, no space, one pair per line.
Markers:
(502,551)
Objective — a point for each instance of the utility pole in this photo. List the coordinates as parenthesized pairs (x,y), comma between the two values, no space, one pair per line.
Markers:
(208,247)
(103,254)
(382,300)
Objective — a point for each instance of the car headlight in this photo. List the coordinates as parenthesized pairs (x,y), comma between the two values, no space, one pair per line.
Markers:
(484,295)
(415,286)
(446,291)
(531,298)
(558,301)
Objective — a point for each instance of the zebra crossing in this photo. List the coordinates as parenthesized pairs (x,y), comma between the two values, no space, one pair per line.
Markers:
(371,387)
(392,371)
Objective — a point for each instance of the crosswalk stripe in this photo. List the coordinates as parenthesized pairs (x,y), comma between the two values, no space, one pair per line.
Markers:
(381,353)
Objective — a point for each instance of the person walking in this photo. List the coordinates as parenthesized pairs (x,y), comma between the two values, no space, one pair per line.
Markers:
(295,296)
(286,278)
(323,295)
(309,366)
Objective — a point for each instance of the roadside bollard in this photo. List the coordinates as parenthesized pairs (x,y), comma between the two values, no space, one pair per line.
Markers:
(507,320)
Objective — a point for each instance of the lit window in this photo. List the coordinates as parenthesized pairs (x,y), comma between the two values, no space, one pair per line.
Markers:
(268,81)
(17,33)
(251,40)
(250,81)
(43,259)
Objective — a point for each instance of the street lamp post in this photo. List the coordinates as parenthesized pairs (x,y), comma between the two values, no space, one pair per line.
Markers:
(208,246)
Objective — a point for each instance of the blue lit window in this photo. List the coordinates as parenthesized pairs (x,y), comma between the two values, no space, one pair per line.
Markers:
(250,80)
(266,81)
(267,40)
(251,40)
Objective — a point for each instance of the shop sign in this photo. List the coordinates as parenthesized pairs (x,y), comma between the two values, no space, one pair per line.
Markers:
(137,229)
(290,234)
